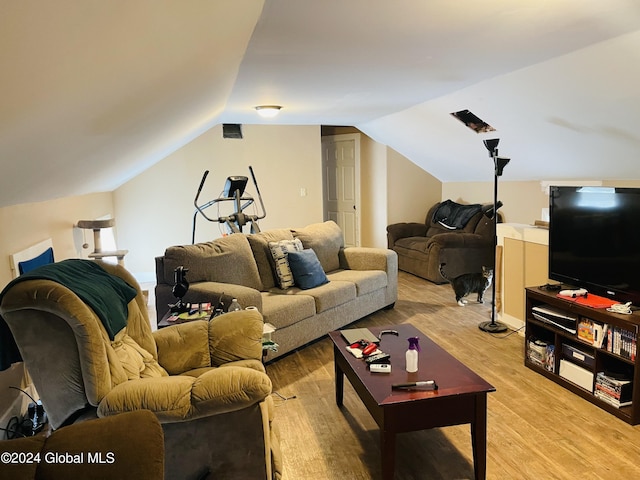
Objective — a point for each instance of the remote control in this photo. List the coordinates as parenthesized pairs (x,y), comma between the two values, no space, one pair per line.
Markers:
(380,368)
(378,358)
(581,292)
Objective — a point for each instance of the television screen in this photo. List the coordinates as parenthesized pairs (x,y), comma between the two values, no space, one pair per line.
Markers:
(594,240)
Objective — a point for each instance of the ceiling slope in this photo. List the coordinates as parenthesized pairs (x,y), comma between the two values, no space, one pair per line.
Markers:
(93,93)
(571,117)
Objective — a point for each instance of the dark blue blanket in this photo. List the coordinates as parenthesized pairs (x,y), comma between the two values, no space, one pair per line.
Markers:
(453,215)
(106,294)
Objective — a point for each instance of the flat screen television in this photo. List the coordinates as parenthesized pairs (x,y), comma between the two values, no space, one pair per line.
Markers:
(594,240)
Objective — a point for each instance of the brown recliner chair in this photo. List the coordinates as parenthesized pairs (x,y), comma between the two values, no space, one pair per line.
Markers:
(204,380)
(99,448)
(422,247)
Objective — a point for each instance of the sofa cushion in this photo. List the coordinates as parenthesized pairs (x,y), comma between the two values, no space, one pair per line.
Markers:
(227,260)
(306,269)
(259,243)
(325,239)
(280,254)
(366,281)
(332,294)
(418,244)
(325,296)
(284,310)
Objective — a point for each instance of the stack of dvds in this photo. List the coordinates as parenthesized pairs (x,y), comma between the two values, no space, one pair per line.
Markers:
(536,351)
(622,342)
(615,391)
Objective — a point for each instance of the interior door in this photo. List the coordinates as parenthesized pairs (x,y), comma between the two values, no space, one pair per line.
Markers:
(341,178)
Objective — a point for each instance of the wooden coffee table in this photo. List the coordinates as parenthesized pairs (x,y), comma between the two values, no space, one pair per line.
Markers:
(461,396)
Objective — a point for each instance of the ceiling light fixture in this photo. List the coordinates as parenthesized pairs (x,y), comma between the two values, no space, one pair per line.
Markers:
(268,111)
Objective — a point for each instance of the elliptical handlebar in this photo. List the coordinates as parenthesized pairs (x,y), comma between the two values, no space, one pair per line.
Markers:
(195,200)
(238,219)
(255,182)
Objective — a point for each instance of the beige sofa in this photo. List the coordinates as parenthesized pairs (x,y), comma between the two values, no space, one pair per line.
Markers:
(362,280)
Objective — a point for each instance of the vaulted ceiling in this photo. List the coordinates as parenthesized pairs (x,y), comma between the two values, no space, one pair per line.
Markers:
(95,92)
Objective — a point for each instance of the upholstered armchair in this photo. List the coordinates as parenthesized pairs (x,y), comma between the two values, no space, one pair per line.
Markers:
(204,380)
(464,246)
(65,453)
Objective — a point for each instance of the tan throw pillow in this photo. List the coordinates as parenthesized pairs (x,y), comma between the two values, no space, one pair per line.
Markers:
(325,239)
(259,243)
(279,252)
(135,360)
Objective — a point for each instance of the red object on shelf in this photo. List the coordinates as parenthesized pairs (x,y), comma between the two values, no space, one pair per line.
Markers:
(590,300)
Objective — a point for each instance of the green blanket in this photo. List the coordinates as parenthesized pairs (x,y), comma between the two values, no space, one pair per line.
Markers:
(106,294)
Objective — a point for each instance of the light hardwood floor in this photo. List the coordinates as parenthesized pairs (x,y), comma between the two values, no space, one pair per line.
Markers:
(536,429)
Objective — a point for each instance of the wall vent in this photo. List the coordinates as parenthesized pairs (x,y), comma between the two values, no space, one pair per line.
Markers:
(231,130)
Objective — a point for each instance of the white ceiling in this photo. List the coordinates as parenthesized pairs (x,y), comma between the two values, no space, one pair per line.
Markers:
(95,92)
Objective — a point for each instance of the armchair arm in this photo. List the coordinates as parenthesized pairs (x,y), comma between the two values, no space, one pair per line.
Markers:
(459,240)
(183,347)
(179,398)
(197,344)
(397,231)
(236,336)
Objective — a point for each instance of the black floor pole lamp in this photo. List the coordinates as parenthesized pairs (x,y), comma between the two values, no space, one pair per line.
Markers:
(499,164)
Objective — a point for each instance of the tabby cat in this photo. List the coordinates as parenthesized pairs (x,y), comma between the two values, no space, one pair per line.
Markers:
(469,283)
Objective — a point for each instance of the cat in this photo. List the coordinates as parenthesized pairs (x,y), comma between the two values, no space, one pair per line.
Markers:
(468,283)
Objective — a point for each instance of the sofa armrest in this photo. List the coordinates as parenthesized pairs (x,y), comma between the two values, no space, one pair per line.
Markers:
(160,271)
(397,231)
(368,258)
(208,292)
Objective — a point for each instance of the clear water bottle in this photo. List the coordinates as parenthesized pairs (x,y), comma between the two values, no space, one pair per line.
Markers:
(234,306)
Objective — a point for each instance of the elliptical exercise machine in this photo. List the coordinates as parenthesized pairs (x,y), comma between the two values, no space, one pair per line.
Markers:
(233,192)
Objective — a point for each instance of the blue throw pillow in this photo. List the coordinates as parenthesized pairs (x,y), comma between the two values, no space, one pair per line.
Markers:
(306,269)
(44,258)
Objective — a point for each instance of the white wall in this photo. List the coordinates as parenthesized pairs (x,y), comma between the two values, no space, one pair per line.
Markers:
(373,192)
(522,201)
(412,191)
(155,209)
(27,224)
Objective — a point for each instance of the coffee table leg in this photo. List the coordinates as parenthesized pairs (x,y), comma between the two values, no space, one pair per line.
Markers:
(479,437)
(339,379)
(388,453)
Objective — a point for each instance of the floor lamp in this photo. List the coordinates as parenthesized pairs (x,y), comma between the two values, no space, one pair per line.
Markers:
(499,163)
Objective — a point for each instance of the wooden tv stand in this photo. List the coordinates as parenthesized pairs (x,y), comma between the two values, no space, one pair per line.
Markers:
(596,359)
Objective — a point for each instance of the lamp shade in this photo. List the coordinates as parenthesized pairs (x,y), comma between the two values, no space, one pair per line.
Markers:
(500,163)
(492,145)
